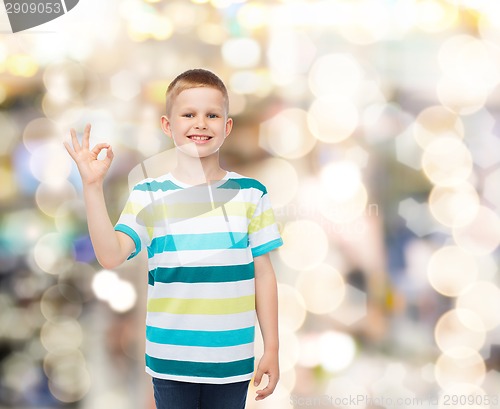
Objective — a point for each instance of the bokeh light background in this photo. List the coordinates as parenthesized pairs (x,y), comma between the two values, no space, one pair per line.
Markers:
(372,122)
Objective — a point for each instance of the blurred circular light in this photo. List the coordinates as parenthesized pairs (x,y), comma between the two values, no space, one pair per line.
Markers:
(463,366)
(123,297)
(38,132)
(289,351)
(8,187)
(365,22)
(309,352)
(435,122)
(69,216)
(344,211)
(322,287)
(241,52)
(489,23)
(22,65)
(250,82)
(50,253)
(125,85)
(491,192)
(50,163)
(23,228)
(454,206)
(305,244)
(463,58)
(288,378)
(470,73)
(61,336)
(55,110)
(337,350)
(69,380)
(340,180)
(19,372)
(272,172)
(103,284)
(289,56)
(483,299)
(331,120)
(336,76)
(286,134)
(463,97)
(482,235)
(434,16)
(60,300)
(253,15)
(451,270)
(120,294)
(145,23)
(9,134)
(291,308)
(64,80)
(49,197)
(447,161)
(343,196)
(212,33)
(451,334)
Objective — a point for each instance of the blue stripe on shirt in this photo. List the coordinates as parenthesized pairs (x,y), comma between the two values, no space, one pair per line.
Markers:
(194,338)
(133,235)
(200,369)
(204,241)
(267,247)
(202,274)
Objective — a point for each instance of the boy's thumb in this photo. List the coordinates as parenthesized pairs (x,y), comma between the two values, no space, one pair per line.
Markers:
(257,378)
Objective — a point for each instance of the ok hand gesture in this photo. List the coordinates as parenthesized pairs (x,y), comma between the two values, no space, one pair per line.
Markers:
(92,170)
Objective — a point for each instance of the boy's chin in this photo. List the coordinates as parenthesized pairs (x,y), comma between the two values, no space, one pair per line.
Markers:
(195,151)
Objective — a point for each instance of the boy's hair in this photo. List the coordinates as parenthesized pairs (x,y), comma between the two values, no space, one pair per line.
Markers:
(195,78)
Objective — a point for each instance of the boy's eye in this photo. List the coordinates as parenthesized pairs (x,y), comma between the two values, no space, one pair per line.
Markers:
(188,115)
(212,116)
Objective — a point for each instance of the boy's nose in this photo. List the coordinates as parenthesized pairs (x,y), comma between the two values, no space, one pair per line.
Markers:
(201,124)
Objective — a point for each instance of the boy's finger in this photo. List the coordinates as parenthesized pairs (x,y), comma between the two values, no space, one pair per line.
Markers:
(69,150)
(109,156)
(269,389)
(99,147)
(263,393)
(74,140)
(86,137)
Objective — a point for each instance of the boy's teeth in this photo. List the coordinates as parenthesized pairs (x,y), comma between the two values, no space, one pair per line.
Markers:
(200,138)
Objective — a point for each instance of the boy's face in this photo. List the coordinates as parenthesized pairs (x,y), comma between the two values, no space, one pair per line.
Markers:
(198,122)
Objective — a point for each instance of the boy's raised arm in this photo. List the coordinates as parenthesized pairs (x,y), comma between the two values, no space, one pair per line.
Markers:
(111,247)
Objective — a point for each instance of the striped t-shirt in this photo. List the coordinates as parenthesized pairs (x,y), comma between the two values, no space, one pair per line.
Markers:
(201,242)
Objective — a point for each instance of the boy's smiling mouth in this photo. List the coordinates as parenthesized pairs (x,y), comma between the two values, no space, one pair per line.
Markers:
(199,138)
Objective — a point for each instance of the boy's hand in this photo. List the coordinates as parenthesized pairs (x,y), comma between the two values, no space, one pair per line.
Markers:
(92,170)
(268,365)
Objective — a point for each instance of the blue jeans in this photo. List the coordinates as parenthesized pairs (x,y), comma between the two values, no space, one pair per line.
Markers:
(186,395)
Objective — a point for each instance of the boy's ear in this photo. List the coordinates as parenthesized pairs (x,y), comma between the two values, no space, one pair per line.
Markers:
(229,126)
(165,125)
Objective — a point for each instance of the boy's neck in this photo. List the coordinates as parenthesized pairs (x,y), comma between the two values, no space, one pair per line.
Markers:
(197,171)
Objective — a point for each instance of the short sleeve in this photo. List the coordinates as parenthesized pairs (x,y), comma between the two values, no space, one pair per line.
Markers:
(133,220)
(263,232)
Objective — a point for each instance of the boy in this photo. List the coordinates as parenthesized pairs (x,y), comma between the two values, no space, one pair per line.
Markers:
(208,233)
